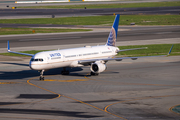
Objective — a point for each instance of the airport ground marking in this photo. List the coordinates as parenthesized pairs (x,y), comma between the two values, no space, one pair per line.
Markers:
(73,80)
(16,104)
(122,83)
(94,107)
(171,109)
(34,101)
(9,82)
(28,81)
(143,98)
(25,118)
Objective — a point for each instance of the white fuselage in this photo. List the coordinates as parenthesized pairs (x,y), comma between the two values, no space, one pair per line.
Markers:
(69,57)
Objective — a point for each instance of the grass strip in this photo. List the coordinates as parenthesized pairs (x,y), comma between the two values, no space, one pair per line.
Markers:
(118,5)
(101,20)
(153,50)
(158,49)
(9,31)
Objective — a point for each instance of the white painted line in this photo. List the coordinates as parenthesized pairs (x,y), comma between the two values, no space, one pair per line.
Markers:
(62,38)
(41,1)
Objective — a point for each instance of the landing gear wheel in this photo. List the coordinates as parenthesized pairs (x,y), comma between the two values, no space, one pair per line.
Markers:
(65,72)
(94,74)
(41,75)
(41,78)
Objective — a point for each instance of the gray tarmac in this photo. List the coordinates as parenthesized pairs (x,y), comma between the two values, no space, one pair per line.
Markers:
(12,3)
(127,90)
(48,13)
(144,89)
(6,11)
(127,35)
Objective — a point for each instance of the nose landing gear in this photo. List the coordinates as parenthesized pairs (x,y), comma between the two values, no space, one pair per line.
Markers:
(64,72)
(41,75)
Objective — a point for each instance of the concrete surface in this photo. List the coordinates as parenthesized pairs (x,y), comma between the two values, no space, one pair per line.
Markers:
(144,89)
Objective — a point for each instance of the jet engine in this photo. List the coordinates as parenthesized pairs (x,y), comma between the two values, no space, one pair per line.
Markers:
(97,67)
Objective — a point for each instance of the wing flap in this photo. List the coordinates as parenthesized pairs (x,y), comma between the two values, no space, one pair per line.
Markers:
(131,49)
(117,59)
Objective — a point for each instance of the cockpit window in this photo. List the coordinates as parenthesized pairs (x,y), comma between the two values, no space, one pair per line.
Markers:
(40,59)
(32,59)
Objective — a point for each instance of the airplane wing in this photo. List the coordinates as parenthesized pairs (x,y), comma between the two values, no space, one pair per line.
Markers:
(8,49)
(120,58)
(117,59)
(131,49)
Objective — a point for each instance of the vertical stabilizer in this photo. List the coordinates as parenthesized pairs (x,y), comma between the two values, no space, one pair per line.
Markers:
(111,41)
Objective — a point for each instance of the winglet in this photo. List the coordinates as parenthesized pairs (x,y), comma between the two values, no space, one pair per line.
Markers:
(113,33)
(170,50)
(8,47)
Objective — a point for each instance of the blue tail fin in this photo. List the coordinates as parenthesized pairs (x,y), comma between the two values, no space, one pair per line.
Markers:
(111,41)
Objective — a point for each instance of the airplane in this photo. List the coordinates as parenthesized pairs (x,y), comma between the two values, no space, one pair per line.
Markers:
(94,56)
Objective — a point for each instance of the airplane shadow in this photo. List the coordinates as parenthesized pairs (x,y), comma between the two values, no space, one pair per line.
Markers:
(11,75)
(37,96)
(48,112)
(100,101)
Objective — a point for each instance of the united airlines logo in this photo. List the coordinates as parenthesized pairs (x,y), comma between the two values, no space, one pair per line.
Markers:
(55,55)
(112,38)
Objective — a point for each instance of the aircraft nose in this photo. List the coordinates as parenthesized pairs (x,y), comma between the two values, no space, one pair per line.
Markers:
(30,65)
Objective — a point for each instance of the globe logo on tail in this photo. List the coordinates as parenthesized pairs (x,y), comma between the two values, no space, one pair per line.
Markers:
(112,38)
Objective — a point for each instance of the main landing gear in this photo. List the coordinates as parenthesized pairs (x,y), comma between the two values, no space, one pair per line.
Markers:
(65,72)
(41,75)
(94,74)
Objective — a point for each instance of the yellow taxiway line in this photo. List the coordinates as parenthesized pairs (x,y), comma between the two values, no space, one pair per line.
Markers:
(28,81)
(143,98)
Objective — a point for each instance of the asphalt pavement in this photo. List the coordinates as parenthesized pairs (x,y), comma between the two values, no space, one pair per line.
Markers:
(143,89)
(49,13)
(126,34)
